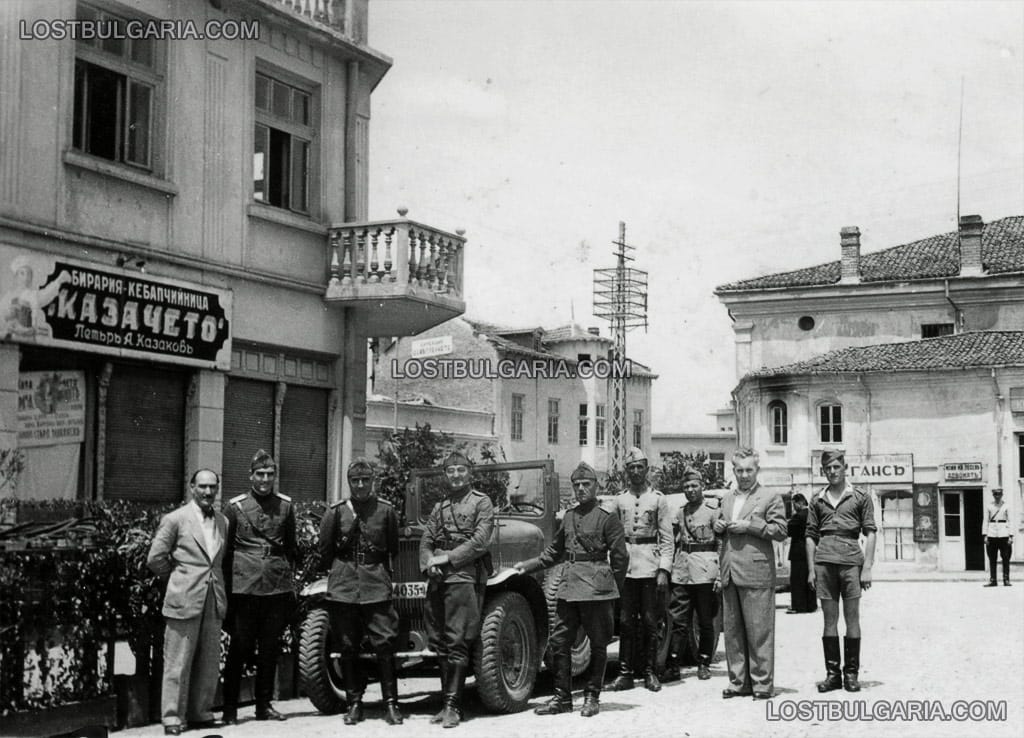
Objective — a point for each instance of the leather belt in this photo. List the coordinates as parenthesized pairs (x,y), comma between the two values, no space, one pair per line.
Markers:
(641,539)
(842,534)
(365,557)
(695,547)
(572,556)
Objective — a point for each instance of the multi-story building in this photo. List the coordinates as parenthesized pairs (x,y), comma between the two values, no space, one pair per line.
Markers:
(188,270)
(909,359)
(531,384)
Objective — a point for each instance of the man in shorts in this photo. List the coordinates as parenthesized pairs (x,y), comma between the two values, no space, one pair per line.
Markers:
(836,518)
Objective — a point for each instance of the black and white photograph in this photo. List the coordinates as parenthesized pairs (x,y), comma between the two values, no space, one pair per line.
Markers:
(511,367)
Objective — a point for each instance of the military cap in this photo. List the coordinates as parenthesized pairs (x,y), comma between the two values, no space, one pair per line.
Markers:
(583,471)
(832,455)
(692,473)
(997,492)
(261,460)
(635,454)
(455,458)
(361,462)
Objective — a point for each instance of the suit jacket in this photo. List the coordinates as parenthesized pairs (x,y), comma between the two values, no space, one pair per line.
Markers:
(179,549)
(748,559)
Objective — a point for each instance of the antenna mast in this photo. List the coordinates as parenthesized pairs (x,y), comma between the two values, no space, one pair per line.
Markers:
(620,296)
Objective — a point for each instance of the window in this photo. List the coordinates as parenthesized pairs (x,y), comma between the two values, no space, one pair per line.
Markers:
(517,417)
(831,423)
(934,330)
(716,460)
(118,90)
(282,144)
(584,421)
(806,323)
(1020,454)
(951,513)
(778,422)
(897,526)
(638,428)
(599,425)
(552,421)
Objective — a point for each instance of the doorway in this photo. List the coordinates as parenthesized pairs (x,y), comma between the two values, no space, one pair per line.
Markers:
(962,521)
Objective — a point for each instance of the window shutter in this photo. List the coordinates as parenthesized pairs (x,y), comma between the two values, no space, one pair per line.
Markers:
(303,457)
(248,427)
(145,443)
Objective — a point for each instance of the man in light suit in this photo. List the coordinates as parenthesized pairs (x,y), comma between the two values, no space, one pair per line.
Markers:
(189,547)
(752,518)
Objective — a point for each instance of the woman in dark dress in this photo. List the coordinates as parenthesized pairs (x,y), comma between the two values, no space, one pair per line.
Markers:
(802,597)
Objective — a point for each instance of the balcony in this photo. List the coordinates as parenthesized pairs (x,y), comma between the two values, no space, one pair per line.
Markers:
(343,18)
(405,276)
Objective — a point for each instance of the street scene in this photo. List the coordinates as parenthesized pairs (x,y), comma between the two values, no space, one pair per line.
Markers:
(615,367)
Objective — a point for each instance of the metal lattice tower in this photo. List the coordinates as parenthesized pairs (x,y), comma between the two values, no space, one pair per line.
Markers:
(620,296)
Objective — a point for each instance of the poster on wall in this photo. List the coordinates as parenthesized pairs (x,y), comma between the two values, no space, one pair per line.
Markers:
(53,301)
(51,408)
(926,514)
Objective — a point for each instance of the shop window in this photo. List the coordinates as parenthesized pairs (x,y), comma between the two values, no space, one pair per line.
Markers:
(897,526)
(553,409)
(119,88)
(516,428)
(584,424)
(778,422)
(830,423)
(283,144)
(599,424)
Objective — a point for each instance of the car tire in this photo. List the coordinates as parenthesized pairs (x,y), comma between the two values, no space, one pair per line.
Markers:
(319,674)
(507,656)
(581,648)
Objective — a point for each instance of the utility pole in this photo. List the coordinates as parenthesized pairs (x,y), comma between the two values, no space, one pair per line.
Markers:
(620,296)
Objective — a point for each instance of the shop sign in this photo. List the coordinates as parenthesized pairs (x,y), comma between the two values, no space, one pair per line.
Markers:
(971,471)
(874,469)
(66,303)
(51,408)
(926,514)
(436,346)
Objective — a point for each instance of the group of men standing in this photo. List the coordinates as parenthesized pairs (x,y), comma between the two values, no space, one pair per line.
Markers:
(237,566)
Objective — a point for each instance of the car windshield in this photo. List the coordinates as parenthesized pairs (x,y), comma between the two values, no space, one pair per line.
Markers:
(519,492)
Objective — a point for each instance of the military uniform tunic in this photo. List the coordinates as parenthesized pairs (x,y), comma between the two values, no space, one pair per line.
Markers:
(647,523)
(461,527)
(358,540)
(696,558)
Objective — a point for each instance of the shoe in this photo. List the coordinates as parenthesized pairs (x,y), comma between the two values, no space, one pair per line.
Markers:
(1006,583)
(763,695)
(621,683)
(728,694)
(851,669)
(671,674)
(591,705)
(791,611)
(354,714)
(173,729)
(555,706)
(268,713)
(991,584)
(651,683)
(833,666)
(703,672)
(230,716)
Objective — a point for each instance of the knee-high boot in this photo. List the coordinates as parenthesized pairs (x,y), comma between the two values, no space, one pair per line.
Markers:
(389,690)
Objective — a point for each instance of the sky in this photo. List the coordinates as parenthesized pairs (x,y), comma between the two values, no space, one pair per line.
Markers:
(733,139)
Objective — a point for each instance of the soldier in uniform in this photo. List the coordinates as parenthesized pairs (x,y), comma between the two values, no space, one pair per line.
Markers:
(591,540)
(455,560)
(694,576)
(358,539)
(261,552)
(644,514)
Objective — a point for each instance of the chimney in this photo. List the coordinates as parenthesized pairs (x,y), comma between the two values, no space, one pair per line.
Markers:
(970,245)
(849,264)
(594,331)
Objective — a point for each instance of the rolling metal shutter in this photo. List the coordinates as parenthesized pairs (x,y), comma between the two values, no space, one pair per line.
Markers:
(303,456)
(248,427)
(145,441)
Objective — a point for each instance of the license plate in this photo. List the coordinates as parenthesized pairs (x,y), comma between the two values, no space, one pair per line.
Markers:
(409,590)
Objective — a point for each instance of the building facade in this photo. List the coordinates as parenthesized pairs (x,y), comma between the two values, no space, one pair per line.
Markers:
(909,360)
(546,406)
(187,269)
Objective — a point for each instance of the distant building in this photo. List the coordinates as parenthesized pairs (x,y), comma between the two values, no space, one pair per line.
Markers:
(545,409)
(912,360)
(718,446)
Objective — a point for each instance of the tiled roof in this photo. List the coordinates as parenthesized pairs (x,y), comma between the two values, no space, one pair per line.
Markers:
(1002,252)
(962,351)
(572,332)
